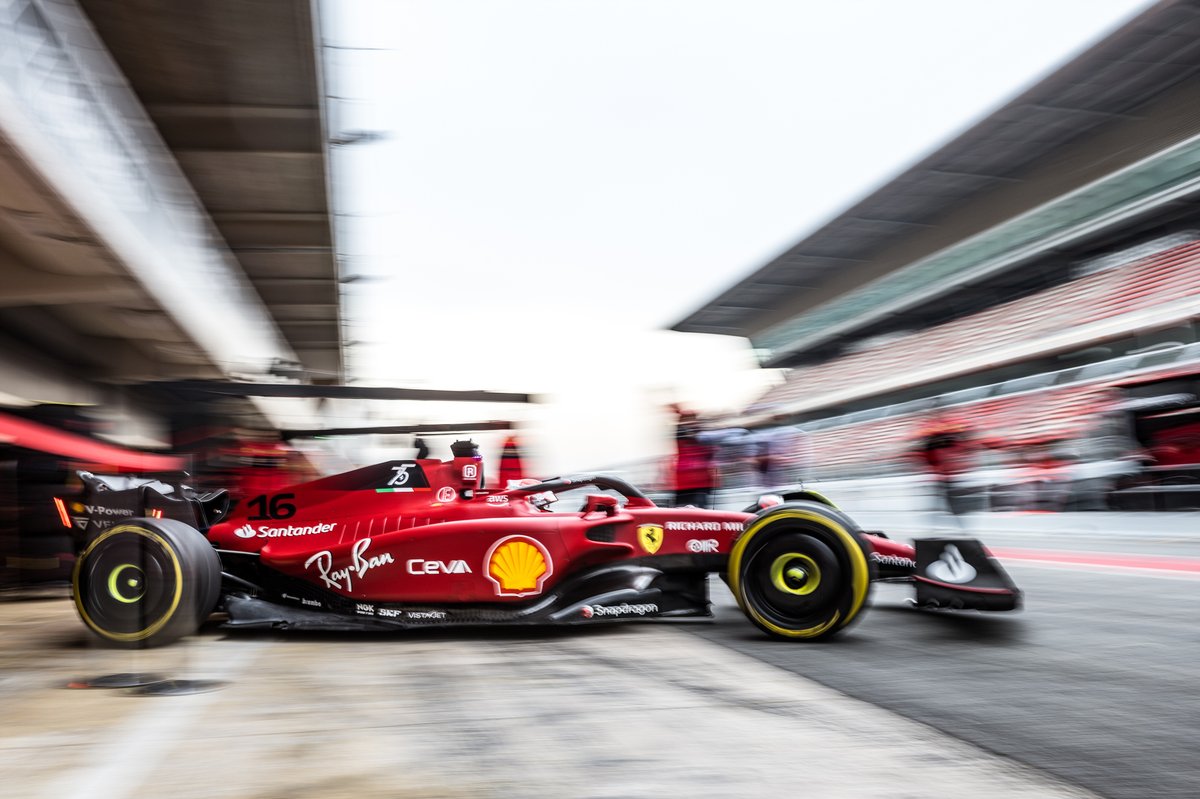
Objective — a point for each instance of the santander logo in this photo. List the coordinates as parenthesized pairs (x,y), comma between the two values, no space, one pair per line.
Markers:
(951,567)
(287,531)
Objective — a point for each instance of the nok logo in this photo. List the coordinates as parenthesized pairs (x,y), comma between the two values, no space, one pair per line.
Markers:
(650,536)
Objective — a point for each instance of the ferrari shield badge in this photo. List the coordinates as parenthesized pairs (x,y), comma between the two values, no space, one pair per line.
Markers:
(650,536)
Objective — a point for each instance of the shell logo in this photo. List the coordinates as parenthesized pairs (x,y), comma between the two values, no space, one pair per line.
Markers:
(518,566)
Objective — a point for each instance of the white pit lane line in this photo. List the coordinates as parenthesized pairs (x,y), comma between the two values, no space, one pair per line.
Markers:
(118,768)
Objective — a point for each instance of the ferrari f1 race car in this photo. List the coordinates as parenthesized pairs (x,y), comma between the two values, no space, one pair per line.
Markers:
(418,543)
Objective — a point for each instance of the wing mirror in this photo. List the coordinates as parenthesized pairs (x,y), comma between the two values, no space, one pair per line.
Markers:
(601,503)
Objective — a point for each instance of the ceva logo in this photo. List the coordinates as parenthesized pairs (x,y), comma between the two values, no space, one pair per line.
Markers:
(421,566)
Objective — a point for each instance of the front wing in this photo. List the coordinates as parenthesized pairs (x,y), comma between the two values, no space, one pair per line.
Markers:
(960,574)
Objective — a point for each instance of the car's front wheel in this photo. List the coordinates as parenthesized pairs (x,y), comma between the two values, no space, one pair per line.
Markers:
(146,582)
(800,571)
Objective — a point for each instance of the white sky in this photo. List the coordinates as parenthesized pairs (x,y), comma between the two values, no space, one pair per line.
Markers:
(562,179)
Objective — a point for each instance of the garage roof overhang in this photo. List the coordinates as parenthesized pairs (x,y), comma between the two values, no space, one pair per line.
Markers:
(163,195)
(235,91)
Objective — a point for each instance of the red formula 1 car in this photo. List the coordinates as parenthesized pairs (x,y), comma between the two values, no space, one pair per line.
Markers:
(417,543)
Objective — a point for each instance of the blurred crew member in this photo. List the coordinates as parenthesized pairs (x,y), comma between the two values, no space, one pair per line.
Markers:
(511,467)
(939,448)
(695,468)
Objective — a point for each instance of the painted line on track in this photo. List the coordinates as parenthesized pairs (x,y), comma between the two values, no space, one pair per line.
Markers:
(1110,562)
(118,768)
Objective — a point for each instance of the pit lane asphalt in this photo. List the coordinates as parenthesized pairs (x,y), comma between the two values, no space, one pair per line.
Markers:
(1095,681)
(598,712)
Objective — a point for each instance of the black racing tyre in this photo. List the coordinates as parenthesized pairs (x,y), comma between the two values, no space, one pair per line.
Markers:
(146,582)
(800,571)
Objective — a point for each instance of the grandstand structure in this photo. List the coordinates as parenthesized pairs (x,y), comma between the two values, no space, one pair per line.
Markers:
(1034,282)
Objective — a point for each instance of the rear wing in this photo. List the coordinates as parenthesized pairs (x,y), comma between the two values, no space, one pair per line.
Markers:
(106,500)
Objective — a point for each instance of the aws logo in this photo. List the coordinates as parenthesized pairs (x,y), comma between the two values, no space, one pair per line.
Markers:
(518,566)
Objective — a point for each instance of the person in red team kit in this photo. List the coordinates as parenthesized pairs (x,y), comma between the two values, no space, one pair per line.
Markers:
(941,447)
(696,472)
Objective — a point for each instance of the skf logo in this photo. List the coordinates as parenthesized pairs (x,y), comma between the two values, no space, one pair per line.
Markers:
(245,531)
(650,536)
(518,566)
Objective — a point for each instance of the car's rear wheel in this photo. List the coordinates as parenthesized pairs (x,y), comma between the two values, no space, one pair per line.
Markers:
(800,571)
(146,582)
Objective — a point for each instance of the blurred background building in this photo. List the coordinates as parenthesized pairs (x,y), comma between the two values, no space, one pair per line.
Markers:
(1033,286)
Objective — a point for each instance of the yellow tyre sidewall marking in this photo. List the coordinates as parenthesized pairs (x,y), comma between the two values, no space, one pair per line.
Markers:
(143,634)
(113,578)
(859,571)
(778,578)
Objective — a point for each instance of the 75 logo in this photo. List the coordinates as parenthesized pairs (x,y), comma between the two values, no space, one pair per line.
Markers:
(401,475)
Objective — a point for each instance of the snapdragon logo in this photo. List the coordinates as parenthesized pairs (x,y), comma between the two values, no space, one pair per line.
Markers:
(290,531)
(623,609)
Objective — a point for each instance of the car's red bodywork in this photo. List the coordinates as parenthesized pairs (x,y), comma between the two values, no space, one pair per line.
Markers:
(436,537)
(420,543)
